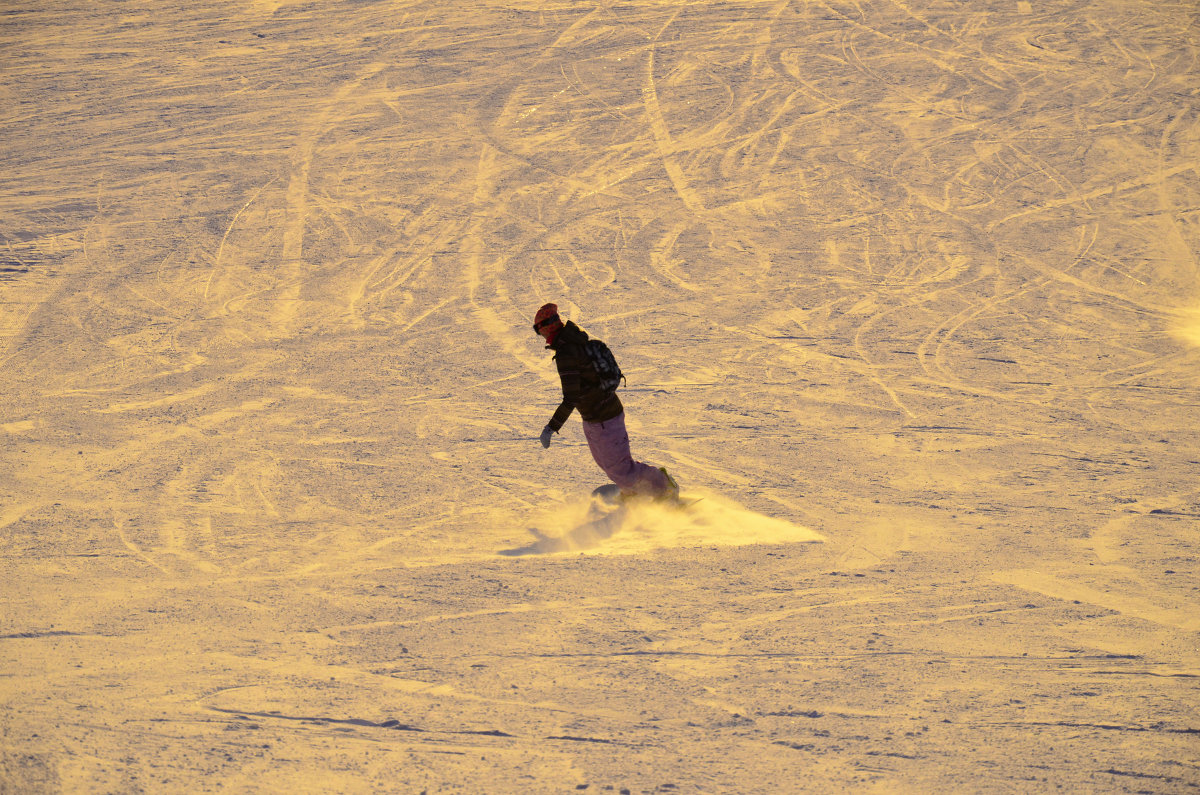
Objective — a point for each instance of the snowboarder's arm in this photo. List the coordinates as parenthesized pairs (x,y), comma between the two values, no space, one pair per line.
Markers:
(561,415)
(568,373)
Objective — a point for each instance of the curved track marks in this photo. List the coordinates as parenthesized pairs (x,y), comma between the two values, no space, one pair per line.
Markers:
(904,272)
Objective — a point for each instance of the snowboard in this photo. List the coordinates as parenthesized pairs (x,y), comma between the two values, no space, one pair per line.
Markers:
(607,498)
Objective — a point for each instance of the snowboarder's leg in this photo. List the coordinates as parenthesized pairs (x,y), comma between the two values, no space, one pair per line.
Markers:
(609,443)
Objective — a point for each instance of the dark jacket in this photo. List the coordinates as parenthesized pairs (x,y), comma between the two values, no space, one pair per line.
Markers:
(580,390)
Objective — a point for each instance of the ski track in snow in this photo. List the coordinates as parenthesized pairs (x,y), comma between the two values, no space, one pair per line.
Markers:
(908,292)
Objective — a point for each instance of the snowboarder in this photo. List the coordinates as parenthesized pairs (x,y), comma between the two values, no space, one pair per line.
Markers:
(586,370)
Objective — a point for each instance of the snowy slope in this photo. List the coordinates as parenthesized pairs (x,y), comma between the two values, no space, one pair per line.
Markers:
(907,292)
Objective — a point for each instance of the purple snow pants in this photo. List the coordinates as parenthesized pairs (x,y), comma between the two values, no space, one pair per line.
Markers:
(609,443)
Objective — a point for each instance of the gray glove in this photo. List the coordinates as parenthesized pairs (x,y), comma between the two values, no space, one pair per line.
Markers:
(547,432)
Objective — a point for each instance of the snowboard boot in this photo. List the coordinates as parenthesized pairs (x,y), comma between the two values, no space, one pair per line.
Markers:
(671,494)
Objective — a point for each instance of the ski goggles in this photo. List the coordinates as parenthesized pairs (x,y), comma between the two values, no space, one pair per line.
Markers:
(541,324)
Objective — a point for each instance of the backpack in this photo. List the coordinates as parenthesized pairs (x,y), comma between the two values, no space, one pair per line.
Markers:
(608,374)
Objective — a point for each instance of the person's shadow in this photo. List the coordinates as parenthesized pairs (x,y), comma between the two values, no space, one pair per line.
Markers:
(604,519)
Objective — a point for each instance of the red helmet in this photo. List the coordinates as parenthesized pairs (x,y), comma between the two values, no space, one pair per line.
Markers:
(546,316)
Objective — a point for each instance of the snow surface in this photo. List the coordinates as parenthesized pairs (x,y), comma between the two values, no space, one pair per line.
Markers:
(907,292)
